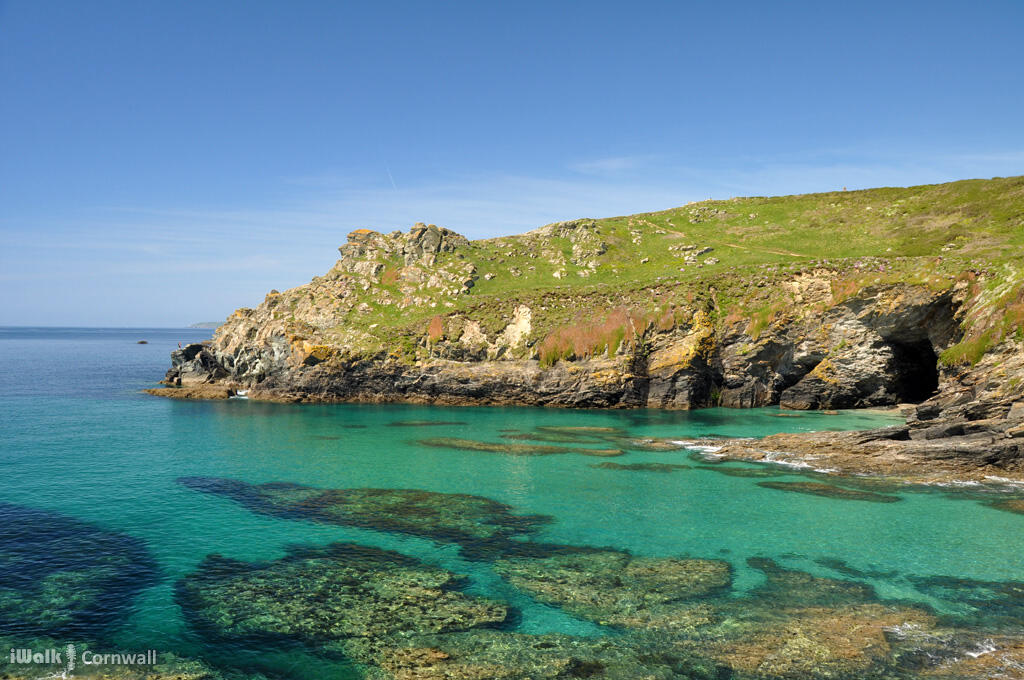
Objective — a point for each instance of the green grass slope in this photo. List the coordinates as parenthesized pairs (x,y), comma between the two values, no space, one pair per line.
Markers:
(621,272)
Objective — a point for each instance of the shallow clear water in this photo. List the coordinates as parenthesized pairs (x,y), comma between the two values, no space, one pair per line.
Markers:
(79,438)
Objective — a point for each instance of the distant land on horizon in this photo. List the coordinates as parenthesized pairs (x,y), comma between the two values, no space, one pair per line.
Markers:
(205,324)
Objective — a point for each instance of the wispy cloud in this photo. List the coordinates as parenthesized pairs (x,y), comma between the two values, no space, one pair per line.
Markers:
(614,165)
(183,263)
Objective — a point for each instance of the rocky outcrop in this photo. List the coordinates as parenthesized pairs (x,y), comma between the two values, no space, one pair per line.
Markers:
(971,429)
(396,320)
(878,349)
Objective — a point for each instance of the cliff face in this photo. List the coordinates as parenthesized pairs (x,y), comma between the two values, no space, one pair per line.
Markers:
(710,304)
(878,349)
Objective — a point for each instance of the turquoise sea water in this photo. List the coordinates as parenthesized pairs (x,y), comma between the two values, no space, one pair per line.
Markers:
(78,438)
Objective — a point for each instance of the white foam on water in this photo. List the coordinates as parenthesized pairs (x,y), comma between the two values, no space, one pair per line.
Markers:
(903,629)
(703,448)
(786,459)
(1005,480)
(986,647)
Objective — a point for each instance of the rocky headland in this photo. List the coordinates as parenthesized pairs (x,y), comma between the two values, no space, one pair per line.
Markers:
(879,298)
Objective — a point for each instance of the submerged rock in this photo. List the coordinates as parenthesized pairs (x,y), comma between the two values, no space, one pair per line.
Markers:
(411,511)
(1009,505)
(425,423)
(830,491)
(813,642)
(791,588)
(651,444)
(642,467)
(550,437)
(482,527)
(744,472)
(514,449)
(493,447)
(492,655)
(797,625)
(582,430)
(999,604)
(845,569)
(339,591)
(599,453)
(615,588)
(62,577)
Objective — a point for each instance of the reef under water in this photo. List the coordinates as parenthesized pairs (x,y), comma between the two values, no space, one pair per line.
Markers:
(830,491)
(338,591)
(63,577)
(382,614)
(387,615)
(642,467)
(514,449)
(483,528)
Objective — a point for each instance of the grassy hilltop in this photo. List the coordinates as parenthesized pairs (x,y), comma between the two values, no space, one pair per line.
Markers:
(593,284)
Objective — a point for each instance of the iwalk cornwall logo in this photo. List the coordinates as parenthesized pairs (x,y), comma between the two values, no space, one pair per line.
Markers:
(65,659)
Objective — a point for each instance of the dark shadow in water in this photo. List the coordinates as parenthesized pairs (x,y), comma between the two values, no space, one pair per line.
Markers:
(65,578)
(792,588)
(1015,505)
(996,604)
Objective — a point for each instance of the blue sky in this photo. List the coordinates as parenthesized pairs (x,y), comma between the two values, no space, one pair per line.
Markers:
(163,163)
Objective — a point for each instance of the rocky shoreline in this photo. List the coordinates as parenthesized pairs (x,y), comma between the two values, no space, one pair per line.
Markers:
(970,428)
(934,446)
(429,317)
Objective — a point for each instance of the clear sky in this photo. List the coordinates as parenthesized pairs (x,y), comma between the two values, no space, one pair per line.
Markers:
(163,163)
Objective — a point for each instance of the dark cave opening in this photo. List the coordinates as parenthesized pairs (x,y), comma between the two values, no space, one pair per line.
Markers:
(917,370)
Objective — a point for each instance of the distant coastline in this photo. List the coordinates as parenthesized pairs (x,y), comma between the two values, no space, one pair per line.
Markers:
(205,324)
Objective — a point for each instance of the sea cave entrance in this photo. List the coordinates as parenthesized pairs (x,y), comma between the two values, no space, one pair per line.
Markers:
(917,370)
